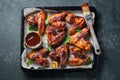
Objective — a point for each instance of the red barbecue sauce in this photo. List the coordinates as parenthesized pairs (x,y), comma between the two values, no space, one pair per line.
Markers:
(32,39)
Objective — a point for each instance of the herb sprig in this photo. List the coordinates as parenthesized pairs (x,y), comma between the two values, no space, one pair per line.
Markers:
(29,62)
(67,39)
(89,61)
(50,48)
(78,29)
(33,28)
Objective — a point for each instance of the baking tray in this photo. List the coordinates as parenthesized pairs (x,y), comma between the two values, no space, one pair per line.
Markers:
(94,67)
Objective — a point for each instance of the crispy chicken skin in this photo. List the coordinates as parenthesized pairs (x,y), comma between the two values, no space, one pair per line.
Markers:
(82,44)
(39,56)
(60,25)
(39,20)
(76,51)
(31,20)
(60,54)
(54,38)
(79,35)
(56,20)
(80,57)
(57,17)
(70,18)
(78,39)
(78,22)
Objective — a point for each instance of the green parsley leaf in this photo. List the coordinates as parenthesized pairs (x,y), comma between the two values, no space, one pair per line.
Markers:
(33,28)
(89,61)
(29,62)
(46,22)
(67,39)
(50,48)
(78,29)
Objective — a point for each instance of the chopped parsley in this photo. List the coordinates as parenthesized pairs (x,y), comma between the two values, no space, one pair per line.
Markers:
(50,48)
(29,62)
(89,61)
(33,28)
(67,39)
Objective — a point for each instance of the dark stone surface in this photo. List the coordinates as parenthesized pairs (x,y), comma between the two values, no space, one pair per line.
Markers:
(107,29)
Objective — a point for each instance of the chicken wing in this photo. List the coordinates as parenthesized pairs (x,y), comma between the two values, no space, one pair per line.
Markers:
(79,22)
(60,54)
(39,56)
(79,35)
(60,25)
(80,57)
(70,18)
(31,20)
(56,20)
(57,17)
(54,38)
(78,39)
(82,44)
(39,20)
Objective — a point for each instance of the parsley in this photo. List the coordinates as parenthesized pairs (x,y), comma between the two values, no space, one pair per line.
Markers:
(89,61)
(47,21)
(33,28)
(78,29)
(29,62)
(50,48)
(67,39)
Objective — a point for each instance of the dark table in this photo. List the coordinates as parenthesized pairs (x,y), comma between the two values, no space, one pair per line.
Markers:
(107,30)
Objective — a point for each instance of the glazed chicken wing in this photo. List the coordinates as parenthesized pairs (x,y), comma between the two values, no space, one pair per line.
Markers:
(78,39)
(39,57)
(82,44)
(31,20)
(56,20)
(80,57)
(54,38)
(39,20)
(57,17)
(70,18)
(79,35)
(60,54)
(79,22)
(60,25)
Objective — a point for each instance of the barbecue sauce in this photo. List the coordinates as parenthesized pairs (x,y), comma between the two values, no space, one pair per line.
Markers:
(33,39)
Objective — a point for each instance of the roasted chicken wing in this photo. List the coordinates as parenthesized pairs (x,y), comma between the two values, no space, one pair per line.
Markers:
(54,38)
(70,18)
(79,35)
(31,20)
(57,17)
(80,57)
(56,20)
(60,25)
(60,54)
(39,20)
(78,39)
(39,56)
(79,22)
(82,44)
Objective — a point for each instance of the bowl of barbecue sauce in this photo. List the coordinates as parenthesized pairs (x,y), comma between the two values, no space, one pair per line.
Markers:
(33,40)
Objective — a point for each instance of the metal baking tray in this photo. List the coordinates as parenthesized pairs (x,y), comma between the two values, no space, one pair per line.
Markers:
(68,8)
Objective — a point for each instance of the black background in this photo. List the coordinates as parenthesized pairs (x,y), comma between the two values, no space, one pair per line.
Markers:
(107,30)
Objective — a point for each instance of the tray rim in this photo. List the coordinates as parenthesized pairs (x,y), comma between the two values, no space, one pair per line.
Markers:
(94,66)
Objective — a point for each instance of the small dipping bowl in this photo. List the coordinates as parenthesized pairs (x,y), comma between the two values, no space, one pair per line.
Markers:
(33,40)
